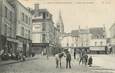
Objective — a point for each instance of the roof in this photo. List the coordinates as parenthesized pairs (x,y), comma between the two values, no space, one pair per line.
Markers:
(112,26)
(75,33)
(43,10)
(97,31)
(84,31)
(15,2)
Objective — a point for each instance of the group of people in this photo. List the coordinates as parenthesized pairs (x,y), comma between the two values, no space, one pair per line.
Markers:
(59,56)
(6,55)
(83,58)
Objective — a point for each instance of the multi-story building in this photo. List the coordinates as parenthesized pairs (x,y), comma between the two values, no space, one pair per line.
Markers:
(23,26)
(98,36)
(92,38)
(7,26)
(43,29)
(84,37)
(98,39)
(112,38)
(81,37)
(112,30)
(75,37)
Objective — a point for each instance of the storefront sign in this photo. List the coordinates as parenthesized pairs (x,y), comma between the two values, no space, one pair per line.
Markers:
(97,48)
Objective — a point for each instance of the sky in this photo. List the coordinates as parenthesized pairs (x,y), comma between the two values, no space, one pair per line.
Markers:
(83,13)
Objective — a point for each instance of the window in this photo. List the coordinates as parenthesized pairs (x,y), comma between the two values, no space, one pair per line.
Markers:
(11,18)
(86,44)
(43,27)
(29,34)
(11,32)
(37,27)
(22,16)
(40,13)
(47,14)
(6,11)
(26,18)
(29,20)
(43,38)
(95,43)
(8,31)
(34,20)
(82,44)
(5,30)
(103,36)
(44,15)
(101,43)
(22,31)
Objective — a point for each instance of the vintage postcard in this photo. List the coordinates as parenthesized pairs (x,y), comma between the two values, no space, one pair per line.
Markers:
(57,36)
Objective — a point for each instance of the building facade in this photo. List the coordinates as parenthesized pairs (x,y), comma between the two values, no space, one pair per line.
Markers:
(112,38)
(23,26)
(112,29)
(8,40)
(84,37)
(93,39)
(98,39)
(43,31)
(81,37)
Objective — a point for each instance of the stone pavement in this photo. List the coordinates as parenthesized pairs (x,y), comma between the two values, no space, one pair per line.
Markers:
(43,65)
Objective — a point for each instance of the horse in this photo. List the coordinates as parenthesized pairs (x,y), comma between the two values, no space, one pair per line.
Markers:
(58,58)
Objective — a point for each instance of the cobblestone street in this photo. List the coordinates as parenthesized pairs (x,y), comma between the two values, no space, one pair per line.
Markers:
(42,65)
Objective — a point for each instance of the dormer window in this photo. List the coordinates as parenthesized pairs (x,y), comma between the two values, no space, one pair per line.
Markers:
(44,15)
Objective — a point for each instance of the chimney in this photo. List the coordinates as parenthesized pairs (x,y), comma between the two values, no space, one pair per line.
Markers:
(36,7)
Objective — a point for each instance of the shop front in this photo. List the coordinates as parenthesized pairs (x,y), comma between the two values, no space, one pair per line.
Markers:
(38,48)
(97,49)
(24,45)
(12,45)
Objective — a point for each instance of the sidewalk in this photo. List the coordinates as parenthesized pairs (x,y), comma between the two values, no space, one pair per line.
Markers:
(15,61)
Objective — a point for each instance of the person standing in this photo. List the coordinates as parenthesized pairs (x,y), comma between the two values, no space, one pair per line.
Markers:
(58,58)
(74,53)
(111,50)
(68,59)
(106,49)
(90,61)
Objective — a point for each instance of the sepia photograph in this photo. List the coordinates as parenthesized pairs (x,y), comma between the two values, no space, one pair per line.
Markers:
(57,36)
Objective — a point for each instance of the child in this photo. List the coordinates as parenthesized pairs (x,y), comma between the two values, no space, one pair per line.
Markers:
(90,60)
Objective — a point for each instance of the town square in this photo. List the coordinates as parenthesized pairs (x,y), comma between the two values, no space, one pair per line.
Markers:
(57,36)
